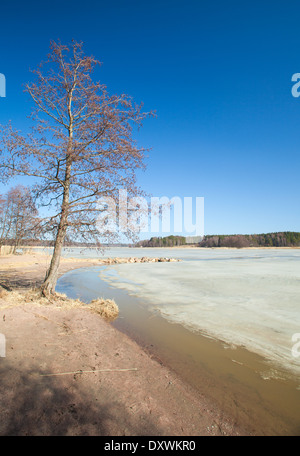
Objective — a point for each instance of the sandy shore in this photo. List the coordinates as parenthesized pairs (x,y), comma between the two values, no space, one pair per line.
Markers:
(69,372)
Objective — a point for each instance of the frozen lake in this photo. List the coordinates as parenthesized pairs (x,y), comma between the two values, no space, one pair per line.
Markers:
(243,297)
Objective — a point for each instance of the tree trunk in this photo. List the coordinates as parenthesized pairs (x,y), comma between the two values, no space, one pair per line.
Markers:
(48,286)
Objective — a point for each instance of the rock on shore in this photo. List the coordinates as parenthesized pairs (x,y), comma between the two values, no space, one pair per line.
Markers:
(138,260)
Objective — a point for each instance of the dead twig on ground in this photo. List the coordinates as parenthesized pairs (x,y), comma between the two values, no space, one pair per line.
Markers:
(88,372)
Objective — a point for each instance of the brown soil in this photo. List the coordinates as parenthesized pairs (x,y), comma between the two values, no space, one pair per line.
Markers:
(107,384)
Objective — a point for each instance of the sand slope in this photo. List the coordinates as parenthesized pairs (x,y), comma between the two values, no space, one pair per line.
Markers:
(40,340)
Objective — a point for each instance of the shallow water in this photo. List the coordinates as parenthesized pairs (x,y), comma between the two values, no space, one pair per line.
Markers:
(248,299)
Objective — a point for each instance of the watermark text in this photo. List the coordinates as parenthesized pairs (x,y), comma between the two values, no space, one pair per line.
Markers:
(138,215)
(296,346)
(2,86)
(2,346)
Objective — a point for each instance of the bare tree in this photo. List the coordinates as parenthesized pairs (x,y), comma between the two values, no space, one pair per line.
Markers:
(25,223)
(5,219)
(81,148)
(18,216)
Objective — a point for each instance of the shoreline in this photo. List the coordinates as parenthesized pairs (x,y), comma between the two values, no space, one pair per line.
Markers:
(214,367)
(155,400)
(231,377)
(121,279)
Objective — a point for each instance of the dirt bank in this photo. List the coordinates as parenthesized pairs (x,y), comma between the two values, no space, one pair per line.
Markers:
(69,372)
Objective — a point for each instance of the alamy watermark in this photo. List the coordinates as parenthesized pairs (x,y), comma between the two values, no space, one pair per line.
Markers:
(2,86)
(2,346)
(296,346)
(157,215)
(296,78)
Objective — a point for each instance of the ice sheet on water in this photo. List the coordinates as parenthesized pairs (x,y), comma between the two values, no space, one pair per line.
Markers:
(248,297)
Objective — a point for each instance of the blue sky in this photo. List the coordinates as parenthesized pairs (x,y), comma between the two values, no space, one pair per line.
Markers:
(218,75)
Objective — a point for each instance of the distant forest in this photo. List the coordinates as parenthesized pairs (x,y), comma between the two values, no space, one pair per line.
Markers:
(168,241)
(67,243)
(282,239)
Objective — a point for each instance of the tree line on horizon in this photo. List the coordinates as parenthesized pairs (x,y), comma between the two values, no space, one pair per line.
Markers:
(167,241)
(277,239)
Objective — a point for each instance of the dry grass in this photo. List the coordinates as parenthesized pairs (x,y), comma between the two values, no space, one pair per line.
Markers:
(10,298)
(3,293)
(106,308)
